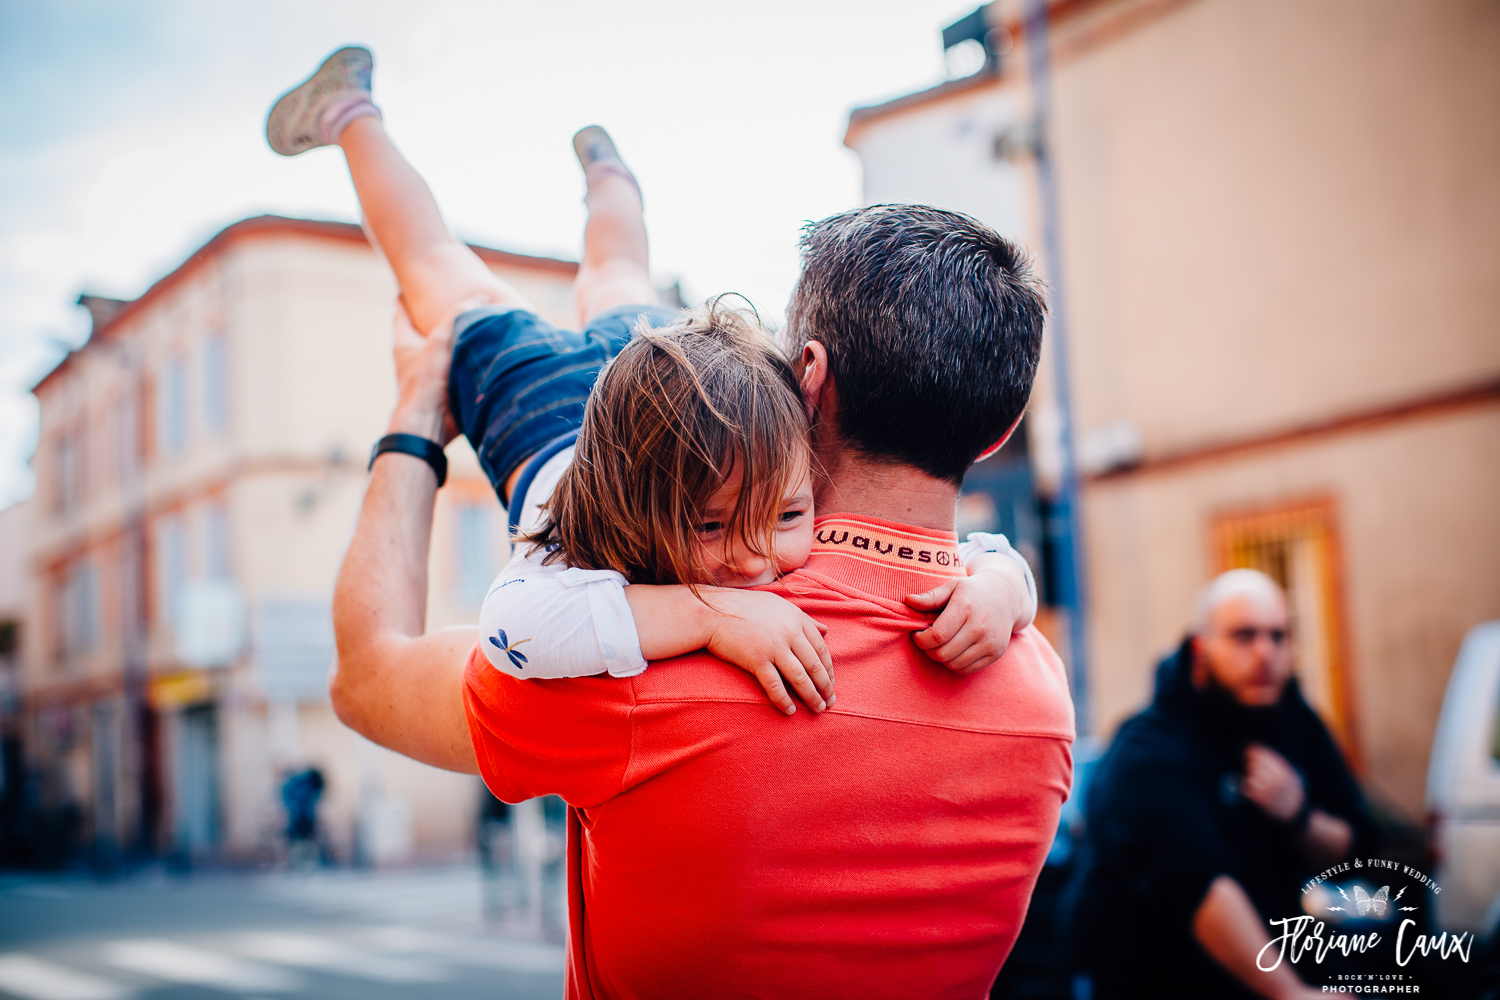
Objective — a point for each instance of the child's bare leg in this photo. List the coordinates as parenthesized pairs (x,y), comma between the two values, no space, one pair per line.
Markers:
(435,271)
(615,270)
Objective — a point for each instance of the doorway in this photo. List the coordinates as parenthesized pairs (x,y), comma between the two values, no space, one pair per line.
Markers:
(196,830)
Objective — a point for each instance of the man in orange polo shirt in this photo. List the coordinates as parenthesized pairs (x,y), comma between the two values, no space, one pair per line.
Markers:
(885,847)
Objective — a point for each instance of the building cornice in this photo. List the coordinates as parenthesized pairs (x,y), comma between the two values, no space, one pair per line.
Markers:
(1431,404)
(862,116)
(1132,14)
(271,226)
(73,690)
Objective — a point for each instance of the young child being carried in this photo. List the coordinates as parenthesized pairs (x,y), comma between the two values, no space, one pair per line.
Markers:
(647,502)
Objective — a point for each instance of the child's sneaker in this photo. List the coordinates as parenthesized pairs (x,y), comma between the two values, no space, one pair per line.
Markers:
(598,156)
(317,112)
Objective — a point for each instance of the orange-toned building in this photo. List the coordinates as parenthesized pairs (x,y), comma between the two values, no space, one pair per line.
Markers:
(1280,255)
(200,466)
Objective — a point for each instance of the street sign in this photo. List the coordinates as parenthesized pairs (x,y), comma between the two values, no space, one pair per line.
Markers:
(293,647)
(210,623)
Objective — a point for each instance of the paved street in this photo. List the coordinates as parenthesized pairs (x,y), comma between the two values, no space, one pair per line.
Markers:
(326,934)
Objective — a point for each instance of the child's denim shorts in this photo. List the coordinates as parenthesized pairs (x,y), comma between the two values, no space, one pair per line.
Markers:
(519,383)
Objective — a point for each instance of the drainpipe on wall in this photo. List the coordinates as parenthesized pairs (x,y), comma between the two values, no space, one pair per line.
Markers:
(136,723)
(1063,524)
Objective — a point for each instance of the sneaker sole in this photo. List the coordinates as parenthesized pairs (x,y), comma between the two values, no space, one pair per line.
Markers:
(292,126)
(589,138)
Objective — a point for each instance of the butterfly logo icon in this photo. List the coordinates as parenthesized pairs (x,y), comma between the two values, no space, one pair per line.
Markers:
(519,659)
(1366,903)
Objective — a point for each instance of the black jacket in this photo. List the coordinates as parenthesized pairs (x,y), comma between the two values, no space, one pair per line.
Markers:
(1164,817)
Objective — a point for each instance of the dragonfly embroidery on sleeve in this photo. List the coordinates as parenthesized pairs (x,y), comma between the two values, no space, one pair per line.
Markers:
(509,649)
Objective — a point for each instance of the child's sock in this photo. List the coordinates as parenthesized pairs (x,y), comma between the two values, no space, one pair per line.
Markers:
(316,112)
(596,152)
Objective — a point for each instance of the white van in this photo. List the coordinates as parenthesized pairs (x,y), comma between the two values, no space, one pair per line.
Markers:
(1463,787)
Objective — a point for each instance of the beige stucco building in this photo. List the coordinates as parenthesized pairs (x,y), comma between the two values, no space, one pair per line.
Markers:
(1280,233)
(200,466)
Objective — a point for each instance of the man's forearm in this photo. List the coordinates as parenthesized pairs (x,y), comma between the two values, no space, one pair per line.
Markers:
(1327,838)
(391,683)
(382,585)
(1230,930)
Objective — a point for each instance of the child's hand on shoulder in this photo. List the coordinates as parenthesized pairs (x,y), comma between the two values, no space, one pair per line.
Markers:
(979,613)
(773,639)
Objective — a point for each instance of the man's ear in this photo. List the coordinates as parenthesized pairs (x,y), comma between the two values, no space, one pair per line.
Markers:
(814,380)
(1003,438)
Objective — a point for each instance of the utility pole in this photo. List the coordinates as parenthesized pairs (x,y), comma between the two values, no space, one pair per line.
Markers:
(1064,524)
(137,722)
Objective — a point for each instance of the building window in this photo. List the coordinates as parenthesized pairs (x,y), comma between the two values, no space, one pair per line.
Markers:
(476,553)
(215,383)
(132,612)
(127,440)
(216,541)
(57,620)
(1297,546)
(171,566)
(65,473)
(173,415)
(80,608)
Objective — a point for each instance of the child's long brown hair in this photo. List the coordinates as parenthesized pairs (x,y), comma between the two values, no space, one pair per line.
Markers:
(670,419)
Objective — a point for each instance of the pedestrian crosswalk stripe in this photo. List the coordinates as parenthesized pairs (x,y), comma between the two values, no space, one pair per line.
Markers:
(33,979)
(512,956)
(256,962)
(434,896)
(180,963)
(319,953)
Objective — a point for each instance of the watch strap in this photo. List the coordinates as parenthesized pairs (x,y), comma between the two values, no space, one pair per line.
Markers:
(419,447)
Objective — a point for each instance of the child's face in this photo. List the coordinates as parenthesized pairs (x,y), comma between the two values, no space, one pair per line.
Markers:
(734,564)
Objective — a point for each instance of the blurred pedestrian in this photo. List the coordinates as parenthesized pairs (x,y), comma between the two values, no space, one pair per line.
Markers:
(300,794)
(493,830)
(1210,810)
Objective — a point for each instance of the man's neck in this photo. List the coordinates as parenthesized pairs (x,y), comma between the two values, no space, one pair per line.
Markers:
(854,484)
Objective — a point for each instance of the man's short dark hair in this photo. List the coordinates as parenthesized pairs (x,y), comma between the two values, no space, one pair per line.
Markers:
(933,325)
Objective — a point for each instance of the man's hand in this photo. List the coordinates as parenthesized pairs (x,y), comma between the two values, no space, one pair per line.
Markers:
(775,640)
(980,612)
(422,363)
(1272,783)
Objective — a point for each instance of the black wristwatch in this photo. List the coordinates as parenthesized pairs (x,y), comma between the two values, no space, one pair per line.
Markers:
(410,444)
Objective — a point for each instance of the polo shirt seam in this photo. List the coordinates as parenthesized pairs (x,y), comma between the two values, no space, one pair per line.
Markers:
(1048,735)
(849,590)
(635,703)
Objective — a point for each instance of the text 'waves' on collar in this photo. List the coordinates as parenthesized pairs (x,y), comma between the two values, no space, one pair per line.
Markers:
(887,545)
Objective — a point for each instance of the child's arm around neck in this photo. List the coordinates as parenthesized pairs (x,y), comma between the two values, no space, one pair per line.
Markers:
(553,621)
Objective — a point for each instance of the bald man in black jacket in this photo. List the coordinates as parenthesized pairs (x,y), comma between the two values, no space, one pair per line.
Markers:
(1209,812)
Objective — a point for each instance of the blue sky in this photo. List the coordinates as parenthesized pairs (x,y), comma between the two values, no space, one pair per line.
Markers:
(130,132)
